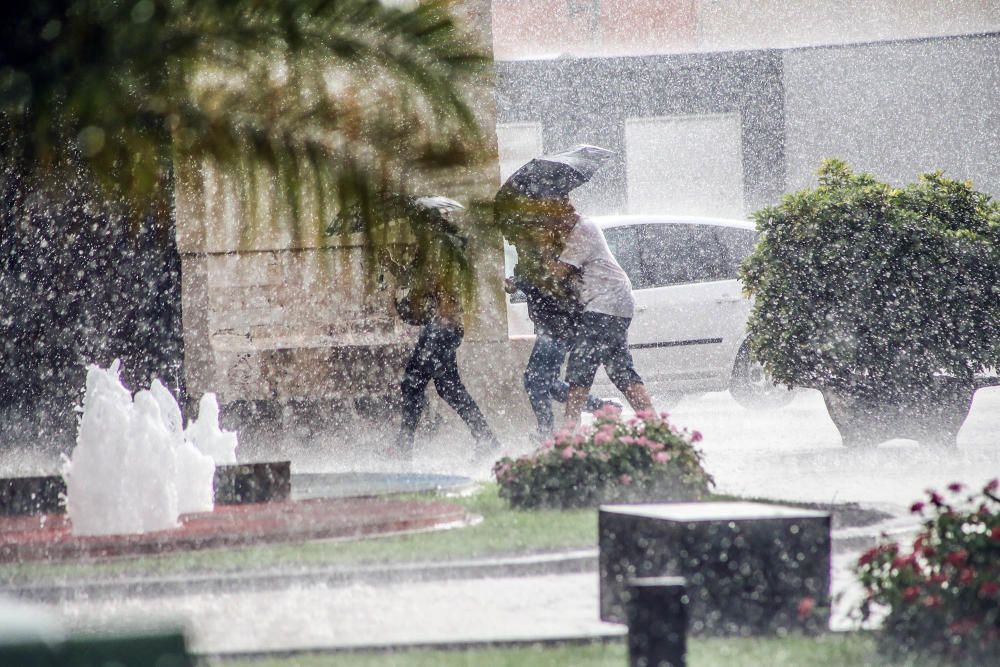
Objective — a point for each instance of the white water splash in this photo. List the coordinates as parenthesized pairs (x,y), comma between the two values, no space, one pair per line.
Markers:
(134,468)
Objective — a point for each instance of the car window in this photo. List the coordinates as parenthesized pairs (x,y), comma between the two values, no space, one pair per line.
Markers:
(682,253)
(623,243)
(738,244)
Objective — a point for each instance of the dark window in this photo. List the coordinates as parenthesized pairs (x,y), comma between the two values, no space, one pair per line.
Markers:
(738,244)
(623,243)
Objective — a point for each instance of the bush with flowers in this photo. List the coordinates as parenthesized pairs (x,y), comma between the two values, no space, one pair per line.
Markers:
(614,460)
(942,594)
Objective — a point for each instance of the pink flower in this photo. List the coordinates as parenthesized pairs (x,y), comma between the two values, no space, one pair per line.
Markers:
(936,498)
(602,438)
(627,439)
(625,479)
(664,415)
(548,444)
(696,436)
(806,607)
(661,457)
(608,411)
(645,414)
(501,470)
(955,487)
(567,452)
(917,507)
(991,486)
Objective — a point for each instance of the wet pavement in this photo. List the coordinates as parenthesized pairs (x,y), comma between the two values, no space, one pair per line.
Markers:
(792,454)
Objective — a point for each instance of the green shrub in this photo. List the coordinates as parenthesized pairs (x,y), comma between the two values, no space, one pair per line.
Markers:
(616,460)
(869,289)
(943,594)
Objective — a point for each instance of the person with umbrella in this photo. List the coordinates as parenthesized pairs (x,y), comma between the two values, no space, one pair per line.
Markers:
(434,302)
(522,206)
(608,306)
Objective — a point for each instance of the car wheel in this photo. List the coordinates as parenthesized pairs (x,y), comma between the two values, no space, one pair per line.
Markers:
(751,386)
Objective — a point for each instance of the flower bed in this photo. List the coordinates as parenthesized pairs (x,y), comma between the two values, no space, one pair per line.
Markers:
(615,460)
(943,593)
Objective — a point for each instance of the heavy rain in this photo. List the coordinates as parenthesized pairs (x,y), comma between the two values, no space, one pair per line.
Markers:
(474,332)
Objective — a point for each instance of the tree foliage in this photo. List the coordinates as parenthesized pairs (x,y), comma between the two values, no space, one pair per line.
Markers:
(351,97)
(870,289)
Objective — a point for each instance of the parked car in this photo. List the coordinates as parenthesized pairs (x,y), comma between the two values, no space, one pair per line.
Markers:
(688,334)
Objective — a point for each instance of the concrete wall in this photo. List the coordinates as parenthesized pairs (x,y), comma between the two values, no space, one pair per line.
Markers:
(589,99)
(896,109)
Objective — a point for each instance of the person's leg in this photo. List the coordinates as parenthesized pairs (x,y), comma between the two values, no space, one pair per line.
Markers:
(559,388)
(621,369)
(540,375)
(449,386)
(582,366)
(419,371)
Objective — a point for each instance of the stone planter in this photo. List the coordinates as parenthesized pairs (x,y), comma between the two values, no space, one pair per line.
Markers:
(931,414)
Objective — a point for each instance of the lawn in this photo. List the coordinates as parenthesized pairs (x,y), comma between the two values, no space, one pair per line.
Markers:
(831,650)
(501,532)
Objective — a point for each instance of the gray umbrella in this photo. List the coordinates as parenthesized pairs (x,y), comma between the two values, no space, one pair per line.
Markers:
(554,175)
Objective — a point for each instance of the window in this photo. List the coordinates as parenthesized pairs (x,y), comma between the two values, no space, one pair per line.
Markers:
(661,255)
(624,245)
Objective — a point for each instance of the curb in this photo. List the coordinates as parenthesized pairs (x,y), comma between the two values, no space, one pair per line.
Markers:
(571,562)
(468,645)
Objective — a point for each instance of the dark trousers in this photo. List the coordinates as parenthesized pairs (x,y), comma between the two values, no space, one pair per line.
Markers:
(434,358)
(543,384)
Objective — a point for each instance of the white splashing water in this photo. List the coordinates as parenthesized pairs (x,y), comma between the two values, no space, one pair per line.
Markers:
(135,468)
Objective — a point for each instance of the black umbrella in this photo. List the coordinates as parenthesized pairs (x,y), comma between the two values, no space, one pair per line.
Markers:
(553,176)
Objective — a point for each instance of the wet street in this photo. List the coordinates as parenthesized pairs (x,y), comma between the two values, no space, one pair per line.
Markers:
(794,453)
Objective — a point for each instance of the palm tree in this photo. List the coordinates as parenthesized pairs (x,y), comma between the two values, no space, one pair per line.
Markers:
(347,95)
(340,101)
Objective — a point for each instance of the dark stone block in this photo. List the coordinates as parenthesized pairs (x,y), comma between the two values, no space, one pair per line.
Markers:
(750,568)
(656,612)
(32,495)
(252,483)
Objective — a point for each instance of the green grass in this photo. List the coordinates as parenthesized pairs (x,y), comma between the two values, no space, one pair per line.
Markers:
(832,650)
(502,532)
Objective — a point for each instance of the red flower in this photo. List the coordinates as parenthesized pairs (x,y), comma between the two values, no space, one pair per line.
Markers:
(966,575)
(899,562)
(917,507)
(806,607)
(957,558)
(988,589)
(995,533)
(936,499)
(929,551)
(955,487)
(932,601)
(962,626)
(938,578)
(911,593)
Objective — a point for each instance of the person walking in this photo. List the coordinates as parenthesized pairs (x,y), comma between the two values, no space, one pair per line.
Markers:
(608,306)
(434,302)
(554,310)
